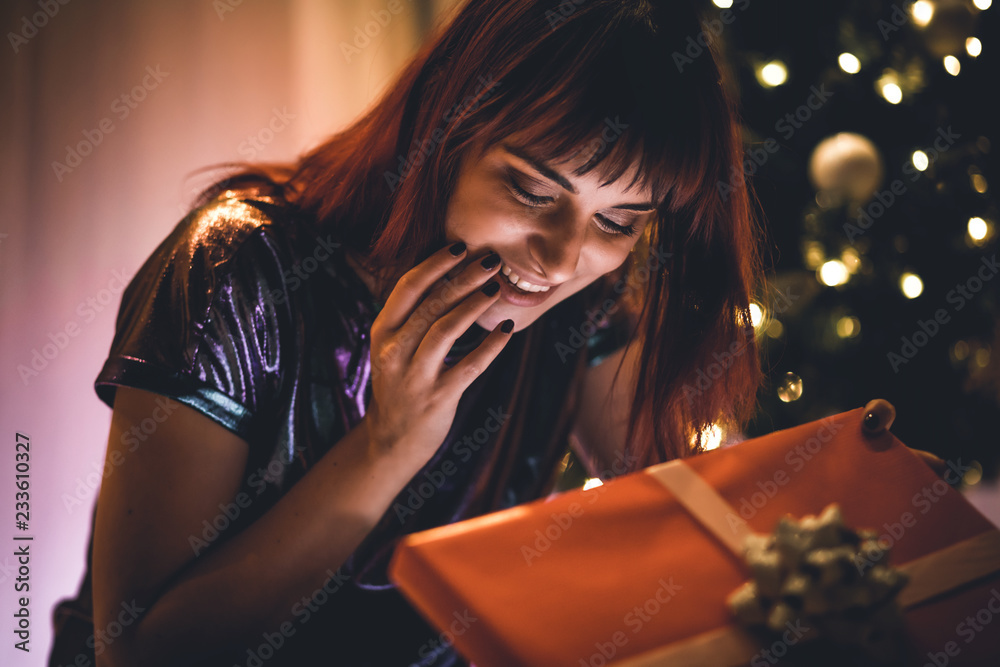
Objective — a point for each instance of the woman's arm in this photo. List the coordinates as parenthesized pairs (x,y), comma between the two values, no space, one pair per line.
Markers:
(155,501)
(598,433)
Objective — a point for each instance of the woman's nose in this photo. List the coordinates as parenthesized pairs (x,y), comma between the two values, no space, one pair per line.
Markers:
(557,245)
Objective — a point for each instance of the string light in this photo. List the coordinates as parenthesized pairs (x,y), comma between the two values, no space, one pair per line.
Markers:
(848,327)
(711,437)
(790,388)
(833,272)
(952,66)
(920,160)
(977,228)
(923,12)
(911,285)
(591,483)
(756,315)
(892,93)
(849,63)
(723,4)
(973,47)
(982,4)
(772,74)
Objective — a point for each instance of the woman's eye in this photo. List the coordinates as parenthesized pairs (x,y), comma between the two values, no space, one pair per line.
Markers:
(525,197)
(614,228)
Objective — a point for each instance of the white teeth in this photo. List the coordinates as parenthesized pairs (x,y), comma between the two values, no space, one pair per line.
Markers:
(514,279)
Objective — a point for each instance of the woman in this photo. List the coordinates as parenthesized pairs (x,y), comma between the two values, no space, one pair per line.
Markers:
(325,356)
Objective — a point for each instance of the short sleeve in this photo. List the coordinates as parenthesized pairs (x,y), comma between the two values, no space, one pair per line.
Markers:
(206,320)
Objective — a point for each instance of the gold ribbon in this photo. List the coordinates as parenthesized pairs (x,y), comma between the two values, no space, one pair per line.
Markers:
(930,575)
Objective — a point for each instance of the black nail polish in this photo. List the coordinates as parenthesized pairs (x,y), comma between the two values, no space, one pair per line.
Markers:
(491,288)
(490,261)
(457,248)
(507,326)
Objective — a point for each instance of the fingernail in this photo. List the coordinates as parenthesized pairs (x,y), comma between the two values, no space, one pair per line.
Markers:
(491,288)
(506,326)
(490,261)
(457,248)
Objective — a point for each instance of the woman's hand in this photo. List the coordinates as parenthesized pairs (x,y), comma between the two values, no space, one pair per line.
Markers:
(414,395)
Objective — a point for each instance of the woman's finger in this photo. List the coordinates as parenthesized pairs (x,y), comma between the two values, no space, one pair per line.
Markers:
(447,295)
(415,283)
(442,334)
(461,375)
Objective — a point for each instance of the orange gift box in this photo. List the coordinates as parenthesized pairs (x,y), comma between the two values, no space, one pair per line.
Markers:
(637,571)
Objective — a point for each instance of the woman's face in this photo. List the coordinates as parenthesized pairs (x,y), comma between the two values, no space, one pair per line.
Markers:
(550,228)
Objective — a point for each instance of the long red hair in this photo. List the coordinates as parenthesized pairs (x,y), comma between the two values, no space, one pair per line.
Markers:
(560,72)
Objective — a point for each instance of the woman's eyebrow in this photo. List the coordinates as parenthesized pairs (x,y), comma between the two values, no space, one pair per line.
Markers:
(554,175)
(541,167)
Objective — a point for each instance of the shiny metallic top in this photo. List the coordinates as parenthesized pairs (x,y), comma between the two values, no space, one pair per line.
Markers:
(248,315)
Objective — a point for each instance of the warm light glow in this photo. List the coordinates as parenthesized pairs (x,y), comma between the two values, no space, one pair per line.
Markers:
(920,160)
(978,229)
(892,93)
(923,12)
(591,483)
(982,357)
(790,388)
(723,4)
(911,285)
(848,327)
(814,255)
(775,329)
(982,4)
(756,315)
(833,272)
(979,183)
(851,259)
(849,63)
(773,74)
(973,47)
(973,475)
(711,437)
(952,66)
